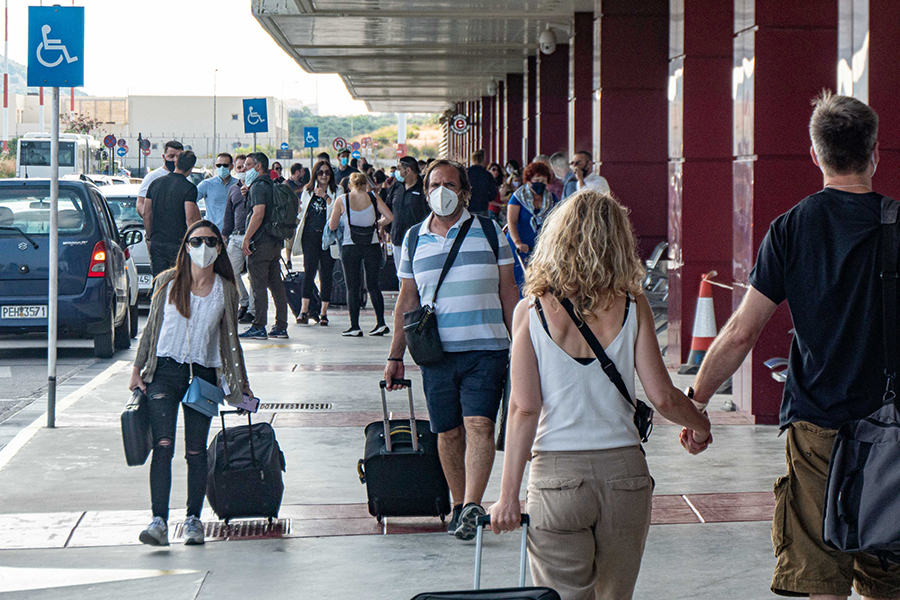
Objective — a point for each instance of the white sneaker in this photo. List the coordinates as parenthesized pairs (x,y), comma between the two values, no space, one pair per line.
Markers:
(156,534)
(193,532)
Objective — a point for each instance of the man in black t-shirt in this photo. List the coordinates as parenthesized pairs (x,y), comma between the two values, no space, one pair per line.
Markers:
(344,169)
(822,257)
(484,188)
(170,208)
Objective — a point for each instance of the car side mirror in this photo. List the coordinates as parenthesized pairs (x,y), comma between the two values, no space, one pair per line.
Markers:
(132,237)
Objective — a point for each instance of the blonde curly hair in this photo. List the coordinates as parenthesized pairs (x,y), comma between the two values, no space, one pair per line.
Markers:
(586,251)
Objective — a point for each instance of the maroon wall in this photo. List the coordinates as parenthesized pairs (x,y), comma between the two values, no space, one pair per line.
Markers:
(552,101)
(581,80)
(514,115)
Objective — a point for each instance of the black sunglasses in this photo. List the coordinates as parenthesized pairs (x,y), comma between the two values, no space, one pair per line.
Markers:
(323,172)
(210,240)
(225,165)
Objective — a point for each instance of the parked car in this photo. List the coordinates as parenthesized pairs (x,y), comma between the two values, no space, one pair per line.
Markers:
(122,200)
(94,296)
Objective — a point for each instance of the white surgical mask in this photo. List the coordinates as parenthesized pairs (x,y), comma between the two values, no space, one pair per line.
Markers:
(443,201)
(240,176)
(203,256)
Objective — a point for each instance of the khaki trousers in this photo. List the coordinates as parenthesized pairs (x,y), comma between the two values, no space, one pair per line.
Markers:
(590,512)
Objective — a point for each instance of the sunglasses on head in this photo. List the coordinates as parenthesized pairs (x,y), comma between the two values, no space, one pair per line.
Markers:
(210,240)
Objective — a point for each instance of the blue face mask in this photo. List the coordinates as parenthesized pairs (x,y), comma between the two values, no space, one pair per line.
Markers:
(344,161)
(398,176)
(538,187)
(251,176)
(223,172)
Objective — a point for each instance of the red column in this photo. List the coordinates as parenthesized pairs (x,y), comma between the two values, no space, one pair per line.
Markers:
(530,107)
(552,101)
(581,79)
(633,112)
(883,73)
(487,117)
(700,162)
(514,116)
(783,56)
(500,139)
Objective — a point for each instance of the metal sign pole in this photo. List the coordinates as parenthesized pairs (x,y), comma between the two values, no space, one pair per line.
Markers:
(54,259)
(254,141)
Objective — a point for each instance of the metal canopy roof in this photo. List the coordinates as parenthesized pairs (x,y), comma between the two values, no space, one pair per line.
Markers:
(415,55)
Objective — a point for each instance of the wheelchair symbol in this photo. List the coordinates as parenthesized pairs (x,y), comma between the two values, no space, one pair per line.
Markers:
(50,45)
(310,138)
(253,118)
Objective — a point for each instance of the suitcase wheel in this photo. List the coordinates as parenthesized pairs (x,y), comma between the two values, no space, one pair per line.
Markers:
(443,518)
(360,471)
(378,518)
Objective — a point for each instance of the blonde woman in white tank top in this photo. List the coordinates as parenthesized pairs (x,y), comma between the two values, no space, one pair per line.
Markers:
(589,489)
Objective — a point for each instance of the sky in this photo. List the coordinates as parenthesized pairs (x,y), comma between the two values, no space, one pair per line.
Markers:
(174,47)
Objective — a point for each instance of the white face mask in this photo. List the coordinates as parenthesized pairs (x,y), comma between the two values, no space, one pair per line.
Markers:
(203,256)
(240,176)
(443,201)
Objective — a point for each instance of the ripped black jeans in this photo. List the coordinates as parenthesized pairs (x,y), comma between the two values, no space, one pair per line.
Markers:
(164,394)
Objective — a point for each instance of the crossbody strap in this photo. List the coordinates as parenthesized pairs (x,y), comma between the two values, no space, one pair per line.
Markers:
(890,247)
(608,366)
(454,250)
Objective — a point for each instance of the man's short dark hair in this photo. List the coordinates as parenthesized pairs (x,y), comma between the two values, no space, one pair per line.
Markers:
(323,156)
(411,162)
(173,144)
(464,184)
(843,131)
(380,177)
(186,161)
(589,156)
(296,167)
(261,159)
(240,157)
(226,155)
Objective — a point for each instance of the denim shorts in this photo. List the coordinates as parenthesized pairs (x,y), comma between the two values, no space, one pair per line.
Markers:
(464,384)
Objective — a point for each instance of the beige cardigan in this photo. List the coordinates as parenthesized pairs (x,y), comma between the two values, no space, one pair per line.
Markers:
(229,345)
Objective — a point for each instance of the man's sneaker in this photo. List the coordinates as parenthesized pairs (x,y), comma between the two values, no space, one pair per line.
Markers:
(192,532)
(467,518)
(352,333)
(242,313)
(156,534)
(247,318)
(380,330)
(281,334)
(254,333)
(454,519)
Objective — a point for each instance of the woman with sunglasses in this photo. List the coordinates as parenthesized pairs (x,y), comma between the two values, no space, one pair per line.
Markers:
(192,326)
(317,196)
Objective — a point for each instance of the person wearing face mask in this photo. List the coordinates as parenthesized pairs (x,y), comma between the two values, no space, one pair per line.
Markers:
(215,190)
(170,154)
(526,212)
(192,328)
(473,307)
(170,208)
(407,201)
(236,209)
(583,166)
(344,169)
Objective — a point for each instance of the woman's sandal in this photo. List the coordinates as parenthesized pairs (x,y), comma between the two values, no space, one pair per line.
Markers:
(303,319)
(323,320)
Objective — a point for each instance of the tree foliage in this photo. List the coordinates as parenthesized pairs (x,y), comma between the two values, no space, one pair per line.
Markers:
(349,127)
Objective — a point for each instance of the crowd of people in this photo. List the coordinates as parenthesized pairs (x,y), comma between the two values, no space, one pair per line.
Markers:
(532,276)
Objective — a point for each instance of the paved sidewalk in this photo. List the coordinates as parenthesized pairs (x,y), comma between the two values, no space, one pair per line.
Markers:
(70,510)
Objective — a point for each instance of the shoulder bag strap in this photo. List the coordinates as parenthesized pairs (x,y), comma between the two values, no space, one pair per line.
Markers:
(890,247)
(412,244)
(490,234)
(608,366)
(454,250)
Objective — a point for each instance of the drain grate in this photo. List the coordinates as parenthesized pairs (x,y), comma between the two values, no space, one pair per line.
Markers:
(295,406)
(243,530)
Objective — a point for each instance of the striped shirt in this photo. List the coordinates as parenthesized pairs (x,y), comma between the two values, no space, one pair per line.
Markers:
(468,309)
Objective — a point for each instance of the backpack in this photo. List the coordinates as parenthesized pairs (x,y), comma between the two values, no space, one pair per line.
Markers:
(282,222)
(487,226)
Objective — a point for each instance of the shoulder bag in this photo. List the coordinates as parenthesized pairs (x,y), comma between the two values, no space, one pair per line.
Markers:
(201,395)
(643,414)
(420,325)
(861,500)
(360,235)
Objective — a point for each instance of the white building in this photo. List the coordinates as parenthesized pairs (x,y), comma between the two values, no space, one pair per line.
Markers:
(193,120)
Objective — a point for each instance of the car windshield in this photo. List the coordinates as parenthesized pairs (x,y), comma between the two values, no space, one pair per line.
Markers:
(29,211)
(124,211)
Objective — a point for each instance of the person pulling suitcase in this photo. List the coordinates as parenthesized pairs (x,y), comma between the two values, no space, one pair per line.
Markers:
(191,332)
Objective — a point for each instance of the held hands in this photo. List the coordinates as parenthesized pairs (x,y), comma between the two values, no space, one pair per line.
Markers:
(505,516)
(695,442)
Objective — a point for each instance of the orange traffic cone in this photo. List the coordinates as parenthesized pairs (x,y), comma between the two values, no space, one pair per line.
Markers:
(704,328)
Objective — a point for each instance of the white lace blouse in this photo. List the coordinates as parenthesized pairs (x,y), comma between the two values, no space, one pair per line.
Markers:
(206,317)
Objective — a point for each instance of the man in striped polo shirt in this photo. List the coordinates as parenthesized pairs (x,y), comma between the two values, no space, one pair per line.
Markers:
(474,308)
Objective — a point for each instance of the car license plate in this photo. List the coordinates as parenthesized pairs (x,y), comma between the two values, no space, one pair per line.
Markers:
(145,280)
(23,312)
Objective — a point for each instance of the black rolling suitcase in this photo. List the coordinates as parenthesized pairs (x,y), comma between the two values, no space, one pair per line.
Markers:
(519,593)
(293,287)
(136,430)
(401,469)
(387,279)
(339,287)
(245,465)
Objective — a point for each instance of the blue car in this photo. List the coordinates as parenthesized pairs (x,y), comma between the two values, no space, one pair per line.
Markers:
(93,284)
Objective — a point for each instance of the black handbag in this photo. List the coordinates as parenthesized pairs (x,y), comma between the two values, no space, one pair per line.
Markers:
(361,235)
(420,325)
(861,501)
(643,414)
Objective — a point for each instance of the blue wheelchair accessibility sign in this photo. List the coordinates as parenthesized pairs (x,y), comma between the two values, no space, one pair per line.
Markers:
(310,137)
(55,46)
(255,115)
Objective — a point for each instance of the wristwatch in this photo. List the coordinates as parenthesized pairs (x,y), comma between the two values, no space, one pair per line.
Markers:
(689,392)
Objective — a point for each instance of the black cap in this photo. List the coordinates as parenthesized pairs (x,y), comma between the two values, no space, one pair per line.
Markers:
(344,151)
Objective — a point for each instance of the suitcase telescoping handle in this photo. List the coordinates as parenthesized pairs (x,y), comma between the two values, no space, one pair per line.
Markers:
(480,524)
(222,414)
(412,414)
